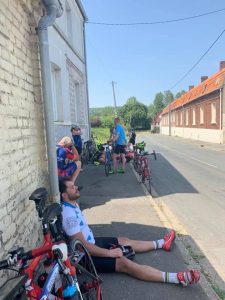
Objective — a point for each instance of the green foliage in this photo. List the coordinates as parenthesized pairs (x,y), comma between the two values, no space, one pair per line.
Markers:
(95,121)
(107,121)
(134,114)
(168,97)
(160,102)
(179,94)
(100,135)
(102,116)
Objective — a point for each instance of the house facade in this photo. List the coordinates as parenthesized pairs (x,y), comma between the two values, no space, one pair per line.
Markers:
(68,70)
(23,142)
(198,114)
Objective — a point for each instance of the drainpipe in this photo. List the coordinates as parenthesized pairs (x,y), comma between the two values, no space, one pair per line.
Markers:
(86,77)
(54,10)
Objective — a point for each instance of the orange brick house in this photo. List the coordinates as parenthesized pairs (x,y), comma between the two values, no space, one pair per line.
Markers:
(199,113)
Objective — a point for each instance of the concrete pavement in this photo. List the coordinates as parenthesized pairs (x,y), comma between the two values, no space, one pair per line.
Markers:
(118,205)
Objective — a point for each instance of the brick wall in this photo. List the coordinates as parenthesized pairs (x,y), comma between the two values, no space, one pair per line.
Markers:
(23,162)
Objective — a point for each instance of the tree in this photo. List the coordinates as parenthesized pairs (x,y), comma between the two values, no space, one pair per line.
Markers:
(135,114)
(159,102)
(151,112)
(168,97)
(179,94)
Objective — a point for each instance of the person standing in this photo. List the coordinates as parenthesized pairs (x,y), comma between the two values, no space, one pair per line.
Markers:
(77,140)
(120,141)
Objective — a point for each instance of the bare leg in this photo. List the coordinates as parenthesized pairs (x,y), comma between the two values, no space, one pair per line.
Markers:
(138,246)
(76,173)
(115,161)
(141,272)
(123,161)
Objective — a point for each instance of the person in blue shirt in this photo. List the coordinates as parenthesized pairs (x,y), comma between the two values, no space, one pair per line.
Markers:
(77,140)
(120,145)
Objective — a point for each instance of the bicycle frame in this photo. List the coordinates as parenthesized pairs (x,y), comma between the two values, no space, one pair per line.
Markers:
(108,159)
(54,248)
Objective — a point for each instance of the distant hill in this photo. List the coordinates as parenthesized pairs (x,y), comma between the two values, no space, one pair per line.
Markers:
(102,111)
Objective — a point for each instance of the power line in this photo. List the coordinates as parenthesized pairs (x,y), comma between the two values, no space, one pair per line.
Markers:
(198,61)
(157,22)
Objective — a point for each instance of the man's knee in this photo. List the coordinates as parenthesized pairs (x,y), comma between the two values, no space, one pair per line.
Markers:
(123,240)
(123,264)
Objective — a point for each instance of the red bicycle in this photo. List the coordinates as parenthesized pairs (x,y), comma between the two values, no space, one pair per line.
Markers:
(57,264)
(141,165)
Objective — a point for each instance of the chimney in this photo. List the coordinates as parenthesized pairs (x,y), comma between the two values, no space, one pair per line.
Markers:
(203,78)
(222,65)
(191,87)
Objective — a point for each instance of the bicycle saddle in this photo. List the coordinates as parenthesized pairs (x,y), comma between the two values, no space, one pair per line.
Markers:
(14,288)
(52,211)
(39,194)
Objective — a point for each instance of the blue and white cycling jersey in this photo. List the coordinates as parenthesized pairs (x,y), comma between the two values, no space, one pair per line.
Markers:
(74,222)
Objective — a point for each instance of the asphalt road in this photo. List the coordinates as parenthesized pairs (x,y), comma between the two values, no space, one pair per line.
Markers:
(189,178)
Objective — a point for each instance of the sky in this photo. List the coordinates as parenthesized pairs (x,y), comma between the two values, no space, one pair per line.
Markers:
(146,59)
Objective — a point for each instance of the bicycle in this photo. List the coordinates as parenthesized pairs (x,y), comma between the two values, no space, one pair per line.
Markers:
(53,256)
(141,165)
(108,158)
(88,151)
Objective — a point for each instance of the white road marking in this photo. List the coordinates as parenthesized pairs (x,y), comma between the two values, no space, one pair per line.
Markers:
(203,162)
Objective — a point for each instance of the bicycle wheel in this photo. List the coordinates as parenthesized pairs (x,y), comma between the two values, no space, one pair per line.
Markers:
(107,168)
(84,156)
(88,279)
(135,163)
(108,163)
(147,179)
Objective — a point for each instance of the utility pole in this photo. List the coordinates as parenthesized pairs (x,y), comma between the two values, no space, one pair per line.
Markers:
(114,96)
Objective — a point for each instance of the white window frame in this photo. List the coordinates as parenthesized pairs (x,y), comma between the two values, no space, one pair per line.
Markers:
(187,117)
(193,116)
(56,93)
(201,114)
(213,113)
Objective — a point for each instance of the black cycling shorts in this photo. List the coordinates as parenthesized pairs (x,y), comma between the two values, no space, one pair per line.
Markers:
(105,264)
(79,150)
(120,149)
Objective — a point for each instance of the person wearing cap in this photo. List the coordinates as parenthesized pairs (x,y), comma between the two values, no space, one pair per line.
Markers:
(67,159)
(120,141)
(77,140)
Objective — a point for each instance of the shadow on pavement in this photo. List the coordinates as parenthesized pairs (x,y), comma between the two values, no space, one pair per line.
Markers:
(120,286)
(117,205)
(164,175)
(102,188)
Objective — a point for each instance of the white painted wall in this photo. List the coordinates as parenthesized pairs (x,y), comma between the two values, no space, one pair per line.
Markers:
(207,135)
(66,46)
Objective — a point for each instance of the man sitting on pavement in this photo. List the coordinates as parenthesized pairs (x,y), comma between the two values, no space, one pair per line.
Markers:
(108,259)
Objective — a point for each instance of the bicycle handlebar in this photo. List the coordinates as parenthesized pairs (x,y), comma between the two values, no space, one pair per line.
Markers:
(17,256)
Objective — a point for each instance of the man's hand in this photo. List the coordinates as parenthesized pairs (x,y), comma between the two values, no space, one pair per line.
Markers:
(116,253)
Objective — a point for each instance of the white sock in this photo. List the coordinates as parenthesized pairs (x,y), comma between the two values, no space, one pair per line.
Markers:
(159,244)
(170,277)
